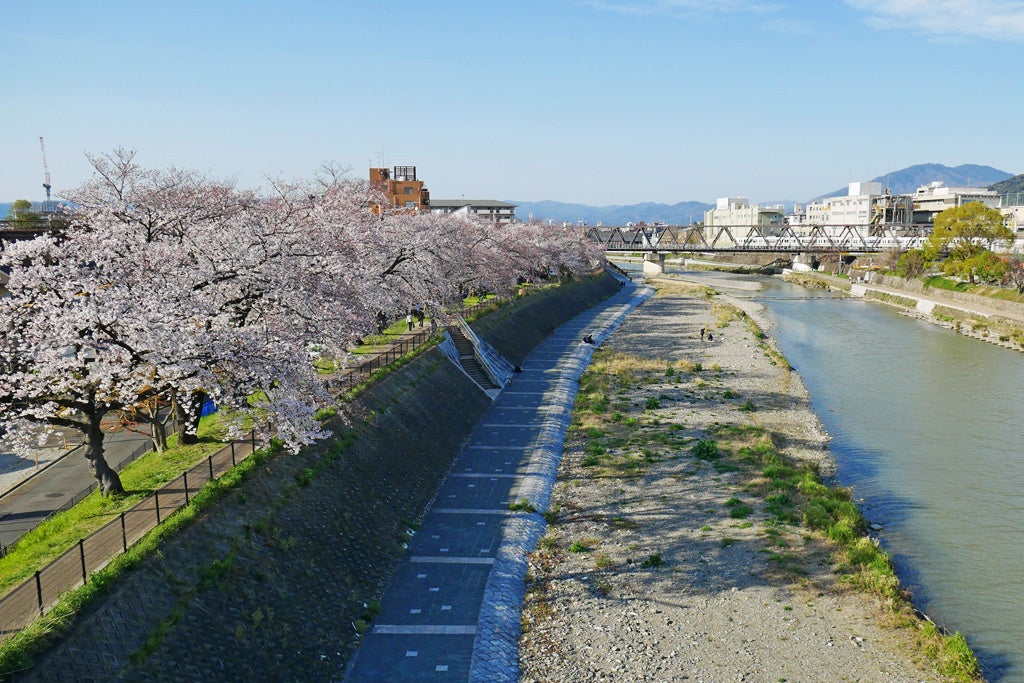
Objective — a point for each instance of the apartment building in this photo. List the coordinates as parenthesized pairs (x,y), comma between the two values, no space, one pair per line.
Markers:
(935,197)
(747,219)
(402,191)
(489,209)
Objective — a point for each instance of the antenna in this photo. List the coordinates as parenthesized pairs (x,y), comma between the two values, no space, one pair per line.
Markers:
(46,169)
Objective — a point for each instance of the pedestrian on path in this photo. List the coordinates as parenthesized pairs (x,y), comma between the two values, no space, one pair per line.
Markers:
(408,321)
(702,333)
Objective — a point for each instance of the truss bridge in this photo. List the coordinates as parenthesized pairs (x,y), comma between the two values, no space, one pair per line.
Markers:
(817,239)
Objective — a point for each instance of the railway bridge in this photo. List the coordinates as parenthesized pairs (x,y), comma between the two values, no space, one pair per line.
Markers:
(804,242)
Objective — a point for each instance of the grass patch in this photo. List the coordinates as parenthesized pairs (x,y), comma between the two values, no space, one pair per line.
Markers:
(522,505)
(17,651)
(49,540)
(653,562)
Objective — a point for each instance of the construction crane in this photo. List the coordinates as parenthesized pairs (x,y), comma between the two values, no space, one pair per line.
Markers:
(46,170)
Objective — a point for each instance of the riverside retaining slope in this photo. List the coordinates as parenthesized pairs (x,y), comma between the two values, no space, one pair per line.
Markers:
(276,582)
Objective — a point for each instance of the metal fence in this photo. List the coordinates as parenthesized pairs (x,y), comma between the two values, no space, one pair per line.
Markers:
(77,498)
(40,593)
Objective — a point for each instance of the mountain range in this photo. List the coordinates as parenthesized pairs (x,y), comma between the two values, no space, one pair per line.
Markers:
(905,181)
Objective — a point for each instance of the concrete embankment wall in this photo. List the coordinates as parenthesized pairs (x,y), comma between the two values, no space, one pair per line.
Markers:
(308,542)
(961,298)
(514,330)
(991,320)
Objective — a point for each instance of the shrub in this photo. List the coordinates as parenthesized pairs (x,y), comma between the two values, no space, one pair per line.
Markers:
(653,561)
(705,450)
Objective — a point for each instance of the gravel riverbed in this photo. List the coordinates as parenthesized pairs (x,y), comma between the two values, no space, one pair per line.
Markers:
(645,575)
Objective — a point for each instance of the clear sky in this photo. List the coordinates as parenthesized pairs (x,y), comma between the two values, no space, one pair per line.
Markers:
(590,101)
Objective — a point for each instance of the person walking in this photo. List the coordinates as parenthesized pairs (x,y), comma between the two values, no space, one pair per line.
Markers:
(702,333)
(408,321)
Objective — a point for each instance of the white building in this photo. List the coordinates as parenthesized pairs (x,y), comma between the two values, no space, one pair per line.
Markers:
(739,213)
(492,210)
(935,197)
(864,204)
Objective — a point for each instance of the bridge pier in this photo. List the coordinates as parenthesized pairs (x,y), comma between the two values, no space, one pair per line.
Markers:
(654,263)
(804,262)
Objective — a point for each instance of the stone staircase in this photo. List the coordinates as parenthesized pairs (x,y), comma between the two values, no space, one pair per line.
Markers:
(468,361)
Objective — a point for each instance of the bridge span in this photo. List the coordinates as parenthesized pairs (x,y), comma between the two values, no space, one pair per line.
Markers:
(817,239)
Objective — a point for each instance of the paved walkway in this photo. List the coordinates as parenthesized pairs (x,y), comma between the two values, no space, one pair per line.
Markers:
(451,611)
(63,480)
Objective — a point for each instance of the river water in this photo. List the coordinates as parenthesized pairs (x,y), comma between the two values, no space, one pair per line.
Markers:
(926,427)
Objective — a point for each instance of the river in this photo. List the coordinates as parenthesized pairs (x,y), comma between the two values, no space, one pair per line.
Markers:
(926,428)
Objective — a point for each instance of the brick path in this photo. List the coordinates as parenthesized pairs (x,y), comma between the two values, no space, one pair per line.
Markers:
(451,611)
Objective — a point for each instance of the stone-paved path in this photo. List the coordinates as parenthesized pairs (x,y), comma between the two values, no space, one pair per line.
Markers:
(451,611)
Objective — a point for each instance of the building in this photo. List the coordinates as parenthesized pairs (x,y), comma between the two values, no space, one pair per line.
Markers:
(864,204)
(401,189)
(739,213)
(489,209)
(932,199)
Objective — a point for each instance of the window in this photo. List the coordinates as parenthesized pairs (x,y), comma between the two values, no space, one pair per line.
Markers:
(408,190)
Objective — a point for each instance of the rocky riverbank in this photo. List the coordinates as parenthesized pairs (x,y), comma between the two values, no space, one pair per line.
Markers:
(665,560)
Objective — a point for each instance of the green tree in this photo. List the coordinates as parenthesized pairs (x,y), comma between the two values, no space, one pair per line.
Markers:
(912,263)
(965,233)
(21,215)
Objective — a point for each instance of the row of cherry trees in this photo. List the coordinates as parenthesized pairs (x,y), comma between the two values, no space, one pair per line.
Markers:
(169,288)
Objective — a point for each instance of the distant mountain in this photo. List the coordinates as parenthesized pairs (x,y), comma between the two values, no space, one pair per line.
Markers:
(1011,186)
(682,213)
(907,180)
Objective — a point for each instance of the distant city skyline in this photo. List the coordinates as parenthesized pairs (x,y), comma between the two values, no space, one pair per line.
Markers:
(598,102)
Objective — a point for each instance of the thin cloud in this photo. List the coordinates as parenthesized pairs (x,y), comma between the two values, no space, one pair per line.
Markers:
(990,19)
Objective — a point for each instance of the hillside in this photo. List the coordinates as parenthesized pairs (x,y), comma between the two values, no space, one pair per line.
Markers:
(1011,186)
(907,180)
(682,213)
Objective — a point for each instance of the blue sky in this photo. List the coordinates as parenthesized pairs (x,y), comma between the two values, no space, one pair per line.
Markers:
(590,101)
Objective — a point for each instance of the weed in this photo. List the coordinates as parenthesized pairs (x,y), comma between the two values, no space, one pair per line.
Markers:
(748,406)
(522,505)
(305,477)
(579,547)
(652,403)
(705,450)
(653,561)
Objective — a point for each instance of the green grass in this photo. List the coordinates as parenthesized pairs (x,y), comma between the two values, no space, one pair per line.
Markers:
(49,540)
(17,651)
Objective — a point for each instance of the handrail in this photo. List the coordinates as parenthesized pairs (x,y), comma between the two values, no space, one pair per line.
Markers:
(497,369)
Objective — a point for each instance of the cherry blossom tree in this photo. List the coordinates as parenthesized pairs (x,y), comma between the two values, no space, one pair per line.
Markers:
(168,288)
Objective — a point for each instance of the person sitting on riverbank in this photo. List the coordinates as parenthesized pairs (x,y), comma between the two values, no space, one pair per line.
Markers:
(588,339)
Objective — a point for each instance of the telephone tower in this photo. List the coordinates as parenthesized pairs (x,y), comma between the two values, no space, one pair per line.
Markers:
(46,170)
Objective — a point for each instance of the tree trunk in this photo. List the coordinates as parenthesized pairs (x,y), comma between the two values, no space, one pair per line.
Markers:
(158,433)
(188,421)
(109,481)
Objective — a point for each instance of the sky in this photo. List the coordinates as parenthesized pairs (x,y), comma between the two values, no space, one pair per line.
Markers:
(596,102)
